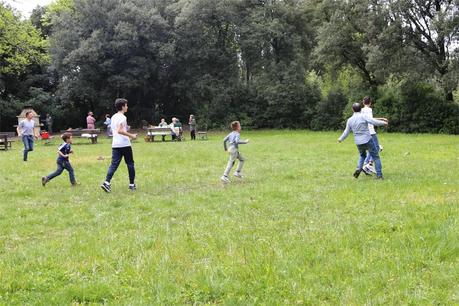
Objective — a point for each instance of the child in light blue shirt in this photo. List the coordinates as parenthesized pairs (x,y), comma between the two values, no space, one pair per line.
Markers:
(234,140)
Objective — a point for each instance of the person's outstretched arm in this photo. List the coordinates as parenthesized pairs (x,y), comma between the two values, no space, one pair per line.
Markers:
(377,122)
(345,133)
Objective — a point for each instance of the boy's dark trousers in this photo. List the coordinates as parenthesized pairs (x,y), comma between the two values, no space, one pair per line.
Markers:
(117,155)
(61,165)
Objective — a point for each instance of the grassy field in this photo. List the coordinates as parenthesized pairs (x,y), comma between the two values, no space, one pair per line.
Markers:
(298,229)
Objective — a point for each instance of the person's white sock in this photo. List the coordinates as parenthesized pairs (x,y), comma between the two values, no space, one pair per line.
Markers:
(107,183)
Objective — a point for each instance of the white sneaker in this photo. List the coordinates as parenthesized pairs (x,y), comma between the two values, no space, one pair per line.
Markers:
(238,174)
(371,168)
(366,169)
(225,179)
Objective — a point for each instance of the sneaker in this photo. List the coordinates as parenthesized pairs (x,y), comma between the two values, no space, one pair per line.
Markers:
(105,187)
(366,170)
(76,184)
(132,187)
(379,178)
(357,173)
(371,167)
(44,180)
(238,174)
(224,179)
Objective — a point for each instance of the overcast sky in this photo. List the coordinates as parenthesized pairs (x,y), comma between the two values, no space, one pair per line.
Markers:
(26,6)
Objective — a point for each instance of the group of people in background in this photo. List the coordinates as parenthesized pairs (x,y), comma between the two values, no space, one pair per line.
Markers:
(177,128)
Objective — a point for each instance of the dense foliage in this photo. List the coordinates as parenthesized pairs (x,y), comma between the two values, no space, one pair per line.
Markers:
(268,63)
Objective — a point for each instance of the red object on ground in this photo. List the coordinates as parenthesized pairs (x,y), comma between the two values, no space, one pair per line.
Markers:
(44,135)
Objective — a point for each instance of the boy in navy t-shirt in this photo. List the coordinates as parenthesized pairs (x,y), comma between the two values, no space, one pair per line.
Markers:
(62,161)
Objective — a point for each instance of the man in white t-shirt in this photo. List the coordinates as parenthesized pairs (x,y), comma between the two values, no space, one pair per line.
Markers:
(368,111)
(121,146)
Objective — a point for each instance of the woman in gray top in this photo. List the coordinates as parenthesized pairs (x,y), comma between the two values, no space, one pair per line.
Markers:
(192,123)
(26,130)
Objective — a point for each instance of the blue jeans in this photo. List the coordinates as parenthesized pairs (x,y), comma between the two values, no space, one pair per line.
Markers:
(370,147)
(374,138)
(61,165)
(117,155)
(28,145)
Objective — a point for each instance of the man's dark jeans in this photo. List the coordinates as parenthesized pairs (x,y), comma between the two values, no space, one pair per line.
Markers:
(117,155)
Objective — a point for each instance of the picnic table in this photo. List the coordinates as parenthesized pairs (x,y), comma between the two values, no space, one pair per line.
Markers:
(91,134)
(158,131)
(5,140)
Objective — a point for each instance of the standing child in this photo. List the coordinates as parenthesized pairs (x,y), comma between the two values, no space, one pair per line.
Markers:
(358,124)
(234,139)
(63,162)
(121,146)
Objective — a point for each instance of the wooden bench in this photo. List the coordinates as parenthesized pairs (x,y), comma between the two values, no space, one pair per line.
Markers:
(202,133)
(91,134)
(158,131)
(5,140)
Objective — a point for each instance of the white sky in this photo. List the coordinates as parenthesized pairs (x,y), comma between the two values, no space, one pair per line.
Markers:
(26,6)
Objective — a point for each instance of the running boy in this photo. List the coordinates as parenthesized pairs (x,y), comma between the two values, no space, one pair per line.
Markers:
(358,124)
(63,162)
(368,166)
(234,139)
(121,146)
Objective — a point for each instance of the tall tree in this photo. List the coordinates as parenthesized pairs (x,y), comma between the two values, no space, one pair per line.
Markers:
(432,29)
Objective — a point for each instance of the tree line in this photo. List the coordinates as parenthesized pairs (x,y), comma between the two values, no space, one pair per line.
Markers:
(267,63)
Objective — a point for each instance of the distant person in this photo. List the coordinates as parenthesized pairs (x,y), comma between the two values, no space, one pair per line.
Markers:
(178,129)
(90,121)
(49,123)
(121,146)
(234,139)
(63,161)
(172,126)
(26,131)
(192,123)
(163,124)
(107,124)
(367,110)
(358,124)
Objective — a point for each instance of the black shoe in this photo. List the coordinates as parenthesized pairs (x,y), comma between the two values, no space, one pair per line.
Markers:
(379,178)
(357,173)
(44,180)
(132,187)
(105,187)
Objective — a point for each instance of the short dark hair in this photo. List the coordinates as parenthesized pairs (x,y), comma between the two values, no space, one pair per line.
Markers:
(119,103)
(367,100)
(356,107)
(27,113)
(66,136)
(234,125)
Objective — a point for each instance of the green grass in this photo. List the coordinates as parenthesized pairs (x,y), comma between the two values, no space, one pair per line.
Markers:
(299,229)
